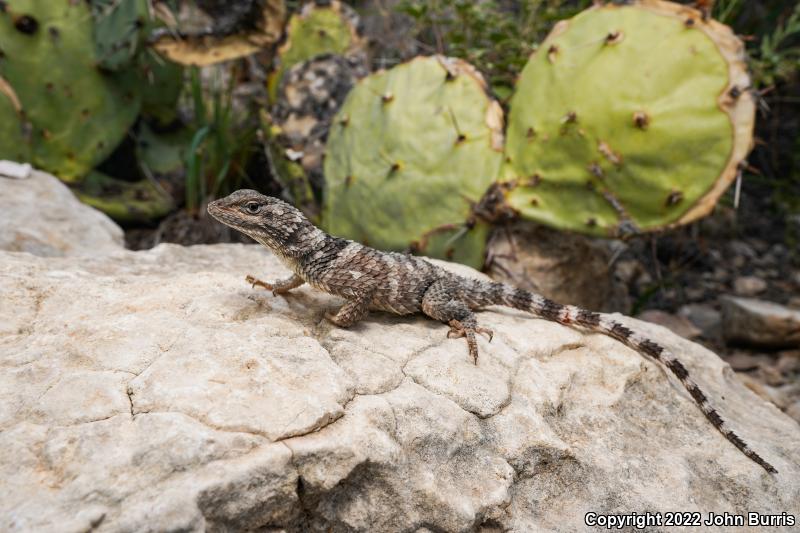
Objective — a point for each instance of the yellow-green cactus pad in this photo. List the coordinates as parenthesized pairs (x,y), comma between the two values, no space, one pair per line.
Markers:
(316,30)
(72,115)
(628,118)
(409,153)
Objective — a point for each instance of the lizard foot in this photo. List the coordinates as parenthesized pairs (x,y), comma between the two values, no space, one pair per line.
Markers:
(255,281)
(276,288)
(458,330)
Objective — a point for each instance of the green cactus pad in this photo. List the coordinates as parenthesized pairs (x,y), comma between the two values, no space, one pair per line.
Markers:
(162,84)
(72,114)
(409,152)
(13,137)
(628,118)
(118,31)
(316,30)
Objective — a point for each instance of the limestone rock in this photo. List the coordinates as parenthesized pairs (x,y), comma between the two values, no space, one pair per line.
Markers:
(677,324)
(157,391)
(760,323)
(40,215)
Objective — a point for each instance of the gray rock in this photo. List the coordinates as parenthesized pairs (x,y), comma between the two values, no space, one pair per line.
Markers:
(677,324)
(749,285)
(759,323)
(157,391)
(704,316)
(40,215)
(794,411)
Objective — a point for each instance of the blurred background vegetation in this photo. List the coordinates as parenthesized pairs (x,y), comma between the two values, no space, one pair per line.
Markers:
(164,125)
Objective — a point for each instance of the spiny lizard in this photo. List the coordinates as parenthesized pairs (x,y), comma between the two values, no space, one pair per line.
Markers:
(403,284)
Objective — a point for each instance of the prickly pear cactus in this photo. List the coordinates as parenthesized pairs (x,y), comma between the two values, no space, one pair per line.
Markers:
(119,29)
(408,155)
(628,118)
(327,28)
(162,84)
(72,115)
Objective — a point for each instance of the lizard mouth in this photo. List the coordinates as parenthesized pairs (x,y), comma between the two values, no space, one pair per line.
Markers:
(222,213)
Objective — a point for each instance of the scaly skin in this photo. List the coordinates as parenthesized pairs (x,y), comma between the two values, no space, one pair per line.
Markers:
(403,284)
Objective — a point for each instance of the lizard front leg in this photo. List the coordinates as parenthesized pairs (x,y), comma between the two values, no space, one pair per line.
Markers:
(282,286)
(442,303)
(351,312)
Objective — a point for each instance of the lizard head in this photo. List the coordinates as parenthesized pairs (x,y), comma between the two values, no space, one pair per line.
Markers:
(268,220)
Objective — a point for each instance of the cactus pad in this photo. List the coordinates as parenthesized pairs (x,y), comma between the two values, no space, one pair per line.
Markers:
(119,28)
(409,153)
(316,30)
(628,118)
(72,114)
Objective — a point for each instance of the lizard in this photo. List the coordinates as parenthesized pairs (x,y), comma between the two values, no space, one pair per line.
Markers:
(370,279)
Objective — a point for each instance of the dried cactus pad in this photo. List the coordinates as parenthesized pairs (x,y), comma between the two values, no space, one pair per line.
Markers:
(628,118)
(407,154)
(71,114)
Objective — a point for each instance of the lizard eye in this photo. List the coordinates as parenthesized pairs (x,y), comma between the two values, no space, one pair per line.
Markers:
(253,207)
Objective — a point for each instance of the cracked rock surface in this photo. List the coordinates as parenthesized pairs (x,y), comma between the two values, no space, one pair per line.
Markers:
(157,391)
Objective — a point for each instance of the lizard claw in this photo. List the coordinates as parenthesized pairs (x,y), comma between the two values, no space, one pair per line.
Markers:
(485,331)
(255,281)
(458,330)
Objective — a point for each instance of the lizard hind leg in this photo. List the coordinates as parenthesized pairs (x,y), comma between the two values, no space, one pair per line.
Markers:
(441,302)
(282,286)
(351,312)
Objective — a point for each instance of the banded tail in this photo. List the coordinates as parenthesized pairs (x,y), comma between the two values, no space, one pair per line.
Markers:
(492,293)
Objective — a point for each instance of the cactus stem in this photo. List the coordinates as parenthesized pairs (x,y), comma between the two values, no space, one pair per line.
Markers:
(641,120)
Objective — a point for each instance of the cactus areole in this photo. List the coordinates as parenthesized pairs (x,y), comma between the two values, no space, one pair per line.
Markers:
(628,118)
